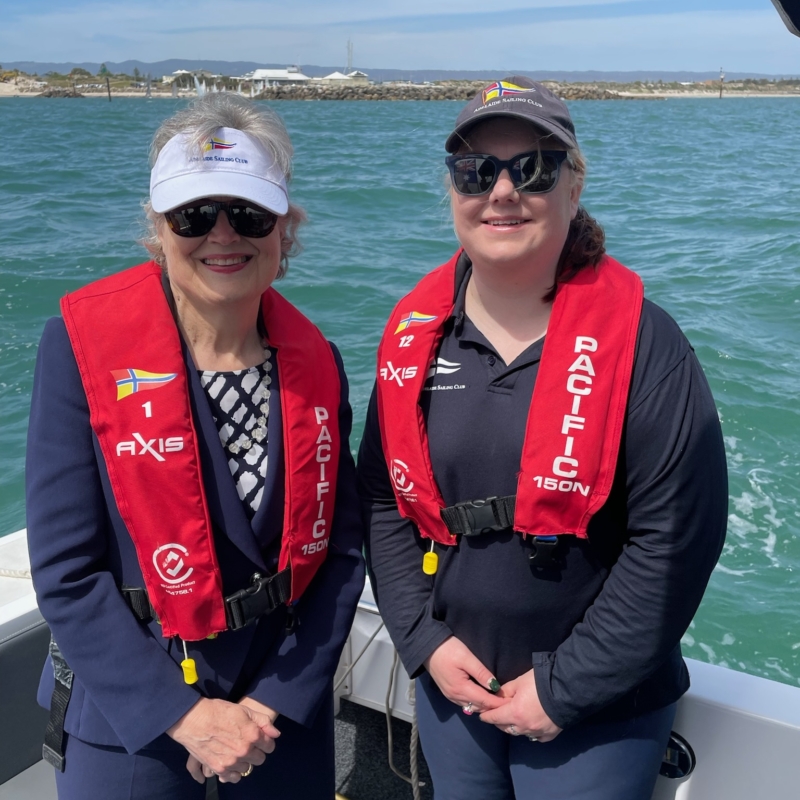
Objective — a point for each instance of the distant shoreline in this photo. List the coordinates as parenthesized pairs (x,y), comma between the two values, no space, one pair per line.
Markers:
(456,90)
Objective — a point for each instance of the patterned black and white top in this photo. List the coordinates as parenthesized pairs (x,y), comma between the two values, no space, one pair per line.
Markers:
(239,403)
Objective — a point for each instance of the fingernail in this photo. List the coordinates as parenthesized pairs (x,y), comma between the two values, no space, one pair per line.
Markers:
(494,685)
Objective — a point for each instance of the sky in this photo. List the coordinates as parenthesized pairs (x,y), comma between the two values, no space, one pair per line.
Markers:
(667,35)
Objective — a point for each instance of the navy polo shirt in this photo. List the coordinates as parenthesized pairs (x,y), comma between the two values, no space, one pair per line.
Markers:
(602,627)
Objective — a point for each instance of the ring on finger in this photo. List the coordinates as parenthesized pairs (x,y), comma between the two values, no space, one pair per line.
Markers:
(512,730)
(247,771)
(468,709)
(532,738)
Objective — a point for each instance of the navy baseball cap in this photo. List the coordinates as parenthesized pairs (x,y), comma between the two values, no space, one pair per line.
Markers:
(520,97)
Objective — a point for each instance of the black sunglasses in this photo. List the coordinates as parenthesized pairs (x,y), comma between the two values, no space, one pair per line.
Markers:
(534,173)
(198,218)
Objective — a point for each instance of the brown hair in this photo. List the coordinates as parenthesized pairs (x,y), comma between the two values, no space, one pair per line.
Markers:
(585,246)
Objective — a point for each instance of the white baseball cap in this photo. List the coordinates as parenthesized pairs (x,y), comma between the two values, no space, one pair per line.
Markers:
(232,164)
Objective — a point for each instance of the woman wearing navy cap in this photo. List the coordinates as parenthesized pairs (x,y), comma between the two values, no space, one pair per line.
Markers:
(192,518)
(544,477)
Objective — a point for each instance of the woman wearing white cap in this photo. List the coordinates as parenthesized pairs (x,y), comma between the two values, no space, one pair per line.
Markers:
(552,443)
(193,527)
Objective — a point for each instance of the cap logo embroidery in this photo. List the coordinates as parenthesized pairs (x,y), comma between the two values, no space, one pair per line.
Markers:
(502,89)
(130,381)
(218,144)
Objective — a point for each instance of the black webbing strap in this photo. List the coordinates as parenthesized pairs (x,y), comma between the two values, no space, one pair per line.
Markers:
(53,747)
(474,517)
(262,597)
(241,608)
(54,736)
(138,602)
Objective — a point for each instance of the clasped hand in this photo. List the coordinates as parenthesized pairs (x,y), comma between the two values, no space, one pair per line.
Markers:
(522,713)
(515,707)
(225,739)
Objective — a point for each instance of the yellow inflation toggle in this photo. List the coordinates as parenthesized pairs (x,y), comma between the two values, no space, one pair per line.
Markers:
(189,671)
(430,562)
(189,668)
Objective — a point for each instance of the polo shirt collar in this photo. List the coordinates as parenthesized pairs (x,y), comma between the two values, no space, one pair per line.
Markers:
(465,330)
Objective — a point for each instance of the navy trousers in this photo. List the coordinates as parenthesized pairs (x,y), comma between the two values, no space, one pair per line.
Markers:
(472,760)
(301,766)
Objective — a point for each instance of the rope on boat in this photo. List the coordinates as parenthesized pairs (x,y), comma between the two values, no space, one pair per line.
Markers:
(415,782)
(389,721)
(358,657)
(414,779)
(14,573)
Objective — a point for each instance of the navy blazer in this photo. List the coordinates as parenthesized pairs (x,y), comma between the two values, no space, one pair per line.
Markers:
(128,687)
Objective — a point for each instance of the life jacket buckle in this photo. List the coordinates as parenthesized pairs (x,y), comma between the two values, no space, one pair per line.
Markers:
(478,516)
(544,551)
(53,758)
(263,596)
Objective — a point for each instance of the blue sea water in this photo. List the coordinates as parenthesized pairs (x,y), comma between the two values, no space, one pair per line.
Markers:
(701,197)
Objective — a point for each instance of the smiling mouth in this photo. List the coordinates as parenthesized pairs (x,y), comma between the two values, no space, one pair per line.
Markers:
(503,222)
(233,261)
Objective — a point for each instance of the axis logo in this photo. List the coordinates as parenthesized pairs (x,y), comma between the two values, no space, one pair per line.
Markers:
(389,373)
(170,563)
(155,447)
(400,477)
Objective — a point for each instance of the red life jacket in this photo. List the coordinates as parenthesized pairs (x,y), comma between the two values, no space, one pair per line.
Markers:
(122,324)
(577,411)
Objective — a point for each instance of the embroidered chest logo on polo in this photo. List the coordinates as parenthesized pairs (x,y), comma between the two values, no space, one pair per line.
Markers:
(442,367)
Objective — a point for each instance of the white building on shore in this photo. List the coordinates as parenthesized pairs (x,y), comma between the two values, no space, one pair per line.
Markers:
(201,74)
(260,79)
(340,79)
(334,78)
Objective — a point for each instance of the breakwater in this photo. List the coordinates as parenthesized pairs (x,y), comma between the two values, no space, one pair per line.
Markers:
(54,91)
(451,90)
